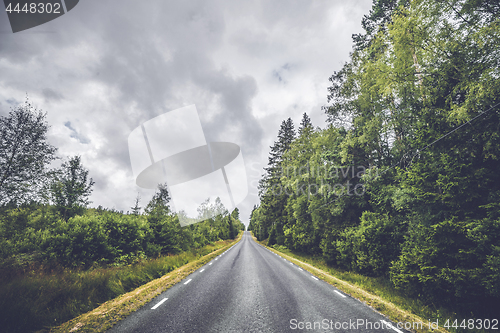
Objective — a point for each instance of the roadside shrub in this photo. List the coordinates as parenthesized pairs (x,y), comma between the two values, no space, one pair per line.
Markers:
(78,242)
(370,247)
(126,235)
(451,262)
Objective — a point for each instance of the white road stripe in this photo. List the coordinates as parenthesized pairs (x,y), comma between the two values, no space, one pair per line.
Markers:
(202,270)
(210,264)
(336,291)
(187,281)
(159,303)
(301,269)
(390,325)
(315,278)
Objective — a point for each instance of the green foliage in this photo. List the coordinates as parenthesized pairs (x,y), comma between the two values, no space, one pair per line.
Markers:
(158,205)
(70,188)
(38,234)
(136,210)
(126,235)
(370,247)
(272,237)
(299,231)
(450,262)
(271,190)
(406,130)
(78,242)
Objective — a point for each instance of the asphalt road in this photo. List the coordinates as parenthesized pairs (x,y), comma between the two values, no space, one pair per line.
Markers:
(251,289)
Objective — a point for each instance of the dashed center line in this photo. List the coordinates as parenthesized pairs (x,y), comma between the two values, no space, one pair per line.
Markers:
(315,278)
(210,264)
(202,270)
(187,281)
(301,269)
(159,303)
(338,292)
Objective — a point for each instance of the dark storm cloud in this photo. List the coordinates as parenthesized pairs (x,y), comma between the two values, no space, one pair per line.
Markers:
(151,53)
(170,66)
(108,66)
(235,95)
(151,60)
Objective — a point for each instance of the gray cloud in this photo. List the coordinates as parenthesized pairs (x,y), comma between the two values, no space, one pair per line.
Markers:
(51,95)
(107,66)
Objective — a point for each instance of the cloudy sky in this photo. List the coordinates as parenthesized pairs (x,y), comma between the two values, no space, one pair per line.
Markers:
(108,66)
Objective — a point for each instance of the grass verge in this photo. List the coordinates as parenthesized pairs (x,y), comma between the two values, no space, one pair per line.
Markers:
(374,292)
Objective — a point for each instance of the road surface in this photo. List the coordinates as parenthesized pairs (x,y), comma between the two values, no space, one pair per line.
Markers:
(250,289)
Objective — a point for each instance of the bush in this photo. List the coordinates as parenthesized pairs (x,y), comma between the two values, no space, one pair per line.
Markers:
(370,247)
(126,235)
(451,262)
(164,235)
(79,242)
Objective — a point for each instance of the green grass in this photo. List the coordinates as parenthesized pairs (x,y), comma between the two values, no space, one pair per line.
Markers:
(41,298)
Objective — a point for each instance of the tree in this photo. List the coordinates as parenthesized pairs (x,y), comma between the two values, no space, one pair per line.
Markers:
(272,194)
(24,154)
(380,15)
(252,225)
(286,135)
(234,221)
(306,126)
(166,234)
(236,214)
(136,210)
(71,187)
(159,202)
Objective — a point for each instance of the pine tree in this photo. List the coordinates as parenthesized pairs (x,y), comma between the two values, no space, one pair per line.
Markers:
(136,210)
(159,202)
(272,193)
(286,135)
(306,126)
